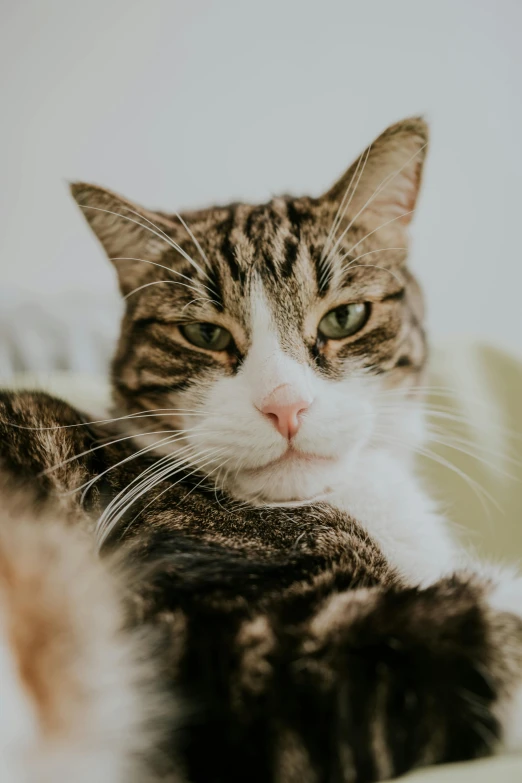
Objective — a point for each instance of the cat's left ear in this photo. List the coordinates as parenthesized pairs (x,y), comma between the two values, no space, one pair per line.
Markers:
(382,185)
(130,235)
(121,226)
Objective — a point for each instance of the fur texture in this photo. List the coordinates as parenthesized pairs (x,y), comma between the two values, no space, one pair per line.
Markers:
(77,701)
(308,606)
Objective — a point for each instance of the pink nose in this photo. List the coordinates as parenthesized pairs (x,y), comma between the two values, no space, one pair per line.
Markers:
(283,410)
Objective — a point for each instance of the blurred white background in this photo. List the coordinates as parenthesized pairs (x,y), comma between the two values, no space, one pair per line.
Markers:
(184,103)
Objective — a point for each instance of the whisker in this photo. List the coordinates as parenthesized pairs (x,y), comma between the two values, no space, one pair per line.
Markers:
(174,243)
(440,430)
(171,486)
(156,231)
(340,210)
(102,446)
(192,236)
(480,492)
(176,438)
(149,469)
(440,390)
(383,225)
(140,478)
(167,269)
(164,234)
(145,414)
(385,182)
(171,460)
(199,467)
(168,282)
(447,414)
(451,393)
(119,506)
(373,266)
(200,299)
(435,438)
(368,253)
(326,261)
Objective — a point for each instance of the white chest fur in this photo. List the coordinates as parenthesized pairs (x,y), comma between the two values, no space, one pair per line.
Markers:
(385,497)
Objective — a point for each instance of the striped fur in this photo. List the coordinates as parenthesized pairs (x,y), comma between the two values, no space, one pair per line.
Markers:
(268,274)
(306,620)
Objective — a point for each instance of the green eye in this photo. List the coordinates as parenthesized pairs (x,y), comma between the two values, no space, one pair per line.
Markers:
(344,321)
(209,336)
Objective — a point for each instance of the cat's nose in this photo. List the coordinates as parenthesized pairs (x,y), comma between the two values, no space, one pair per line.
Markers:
(283,409)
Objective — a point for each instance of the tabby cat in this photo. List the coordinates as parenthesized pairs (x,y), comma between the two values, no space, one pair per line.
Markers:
(276,599)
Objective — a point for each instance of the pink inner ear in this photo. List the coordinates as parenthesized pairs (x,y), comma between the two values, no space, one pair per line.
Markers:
(412,177)
(397,199)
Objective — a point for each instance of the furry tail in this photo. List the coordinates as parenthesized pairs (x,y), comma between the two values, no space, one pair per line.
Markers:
(76,699)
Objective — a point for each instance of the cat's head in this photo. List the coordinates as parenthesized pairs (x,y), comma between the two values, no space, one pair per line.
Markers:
(278,340)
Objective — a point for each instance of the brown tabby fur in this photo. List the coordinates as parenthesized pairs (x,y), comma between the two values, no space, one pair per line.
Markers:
(296,651)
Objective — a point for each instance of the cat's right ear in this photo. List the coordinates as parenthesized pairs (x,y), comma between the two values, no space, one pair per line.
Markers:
(130,235)
(382,186)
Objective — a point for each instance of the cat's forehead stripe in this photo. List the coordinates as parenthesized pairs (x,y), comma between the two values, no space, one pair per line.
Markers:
(272,253)
(267,238)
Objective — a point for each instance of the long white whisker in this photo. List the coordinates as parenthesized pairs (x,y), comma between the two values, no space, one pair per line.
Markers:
(443,392)
(454,444)
(441,430)
(174,243)
(176,438)
(346,201)
(154,225)
(419,387)
(385,182)
(103,446)
(368,253)
(192,236)
(199,299)
(327,262)
(217,489)
(160,234)
(168,282)
(163,235)
(150,473)
(167,269)
(171,486)
(447,414)
(139,480)
(173,460)
(478,489)
(383,225)
(109,519)
(373,266)
(150,413)
(339,214)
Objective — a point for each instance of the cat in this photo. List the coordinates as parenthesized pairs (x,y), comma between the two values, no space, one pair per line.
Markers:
(284,601)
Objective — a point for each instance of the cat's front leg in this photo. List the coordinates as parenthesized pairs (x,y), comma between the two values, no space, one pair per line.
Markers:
(359,685)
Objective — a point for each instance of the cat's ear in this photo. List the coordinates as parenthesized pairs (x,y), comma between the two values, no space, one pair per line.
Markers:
(130,235)
(383,183)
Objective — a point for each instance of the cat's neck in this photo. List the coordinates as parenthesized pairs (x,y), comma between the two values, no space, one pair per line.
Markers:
(387,499)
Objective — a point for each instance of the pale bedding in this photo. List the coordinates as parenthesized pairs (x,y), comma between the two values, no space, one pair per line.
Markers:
(477,382)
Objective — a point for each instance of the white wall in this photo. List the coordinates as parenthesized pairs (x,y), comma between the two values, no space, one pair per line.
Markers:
(183,103)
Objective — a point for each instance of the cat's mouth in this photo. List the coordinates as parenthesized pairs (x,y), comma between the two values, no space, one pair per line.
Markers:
(291,457)
(296,477)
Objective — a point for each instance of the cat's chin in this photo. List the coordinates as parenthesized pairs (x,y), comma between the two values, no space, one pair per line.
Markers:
(299,480)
